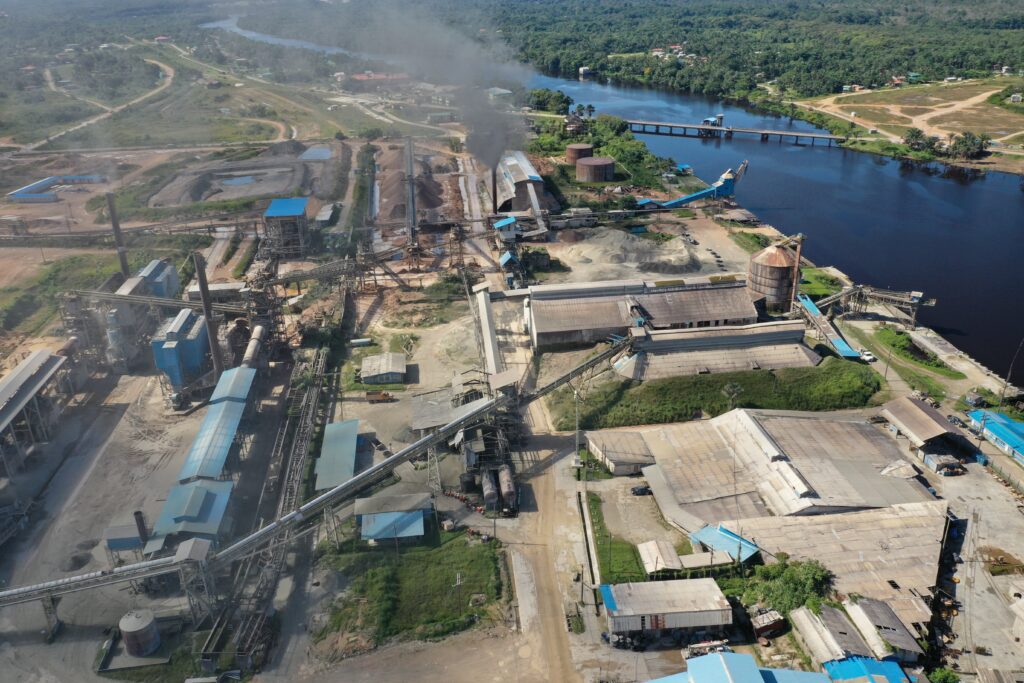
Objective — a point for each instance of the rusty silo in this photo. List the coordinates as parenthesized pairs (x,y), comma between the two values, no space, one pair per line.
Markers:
(771,273)
(595,170)
(139,632)
(577,151)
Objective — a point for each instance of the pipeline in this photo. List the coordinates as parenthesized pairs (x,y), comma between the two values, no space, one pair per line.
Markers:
(252,349)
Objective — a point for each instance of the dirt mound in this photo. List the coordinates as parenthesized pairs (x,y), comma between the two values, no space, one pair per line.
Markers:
(392,158)
(623,254)
(284,149)
(76,562)
(428,193)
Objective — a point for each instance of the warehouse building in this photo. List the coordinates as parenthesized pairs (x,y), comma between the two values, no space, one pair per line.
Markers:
(865,670)
(621,452)
(1005,434)
(733,667)
(658,354)
(31,400)
(924,426)
(337,461)
(752,463)
(889,554)
(689,605)
(585,313)
(383,368)
(286,228)
(883,631)
(520,186)
(828,635)
(390,517)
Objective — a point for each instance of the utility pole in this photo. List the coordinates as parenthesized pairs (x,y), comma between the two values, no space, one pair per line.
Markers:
(1009,372)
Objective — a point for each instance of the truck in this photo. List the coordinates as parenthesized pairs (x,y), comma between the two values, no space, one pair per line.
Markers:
(379,397)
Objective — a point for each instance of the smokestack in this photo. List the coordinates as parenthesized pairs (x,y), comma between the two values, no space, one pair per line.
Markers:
(122,253)
(494,190)
(211,324)
(140,524)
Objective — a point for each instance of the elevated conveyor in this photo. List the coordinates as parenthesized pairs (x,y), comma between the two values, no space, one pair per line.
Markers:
(826,328)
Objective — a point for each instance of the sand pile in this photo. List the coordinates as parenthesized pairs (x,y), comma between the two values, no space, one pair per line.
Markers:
(621,252)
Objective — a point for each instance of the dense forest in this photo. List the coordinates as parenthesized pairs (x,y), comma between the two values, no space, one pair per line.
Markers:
(807,47)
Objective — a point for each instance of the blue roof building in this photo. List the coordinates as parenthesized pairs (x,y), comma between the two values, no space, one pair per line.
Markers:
(286,208)
(390,525)
(234,385)
(505,223)
(507,258)
(193,510)
(1007,435)
(720,539)
(865,670)
(209,453)
(337,461)
(731,667)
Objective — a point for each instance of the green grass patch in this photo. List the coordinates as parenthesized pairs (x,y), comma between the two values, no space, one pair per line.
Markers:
(412,592)
(684,547)
(919,380)
(617,558)
(816,283)
(750,241)
(233,243)
(832,385)
(903,346)
(684,213)
(592,467)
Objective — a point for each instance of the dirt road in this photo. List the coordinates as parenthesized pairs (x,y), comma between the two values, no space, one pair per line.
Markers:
(168,78)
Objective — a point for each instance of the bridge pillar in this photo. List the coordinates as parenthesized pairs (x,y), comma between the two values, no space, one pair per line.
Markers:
(764,137)
(53,622)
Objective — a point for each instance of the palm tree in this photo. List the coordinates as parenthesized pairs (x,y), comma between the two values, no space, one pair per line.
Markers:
(579,110)
(590,110)
(732,390)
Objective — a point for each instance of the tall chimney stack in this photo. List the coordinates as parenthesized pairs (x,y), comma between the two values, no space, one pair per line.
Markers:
(122,253)
(211,323)
(494,190)
(140,524)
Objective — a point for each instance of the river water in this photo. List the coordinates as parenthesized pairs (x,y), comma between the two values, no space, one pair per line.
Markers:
(956,236)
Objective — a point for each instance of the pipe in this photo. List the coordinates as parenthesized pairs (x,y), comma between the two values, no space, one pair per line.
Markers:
(211,323)
(115,224)
(252,350)
(494,190)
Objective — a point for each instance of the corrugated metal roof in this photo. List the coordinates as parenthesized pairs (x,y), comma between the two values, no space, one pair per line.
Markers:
(866,669)
(392,525)
(624,447)
(657,556)
(26,380)
(664,597)
(196,508)
(406,502)
(383,364)
(918,420)
(505,222)
(1008,431)
(722,540)
(734,667)
(234,385)
(881,627)
(209,451)
(337,461)
(284,208)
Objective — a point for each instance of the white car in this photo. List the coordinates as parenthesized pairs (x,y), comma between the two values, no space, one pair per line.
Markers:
(867,356)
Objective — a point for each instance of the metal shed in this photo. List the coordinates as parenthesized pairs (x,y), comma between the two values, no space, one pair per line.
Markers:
(918,421)
(690,604)
(383,368)
(337,461)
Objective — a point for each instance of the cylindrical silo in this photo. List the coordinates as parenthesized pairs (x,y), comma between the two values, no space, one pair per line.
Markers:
(139,632)
(577,151)
(771,274)
(490,489)
(507,486)
(595,170)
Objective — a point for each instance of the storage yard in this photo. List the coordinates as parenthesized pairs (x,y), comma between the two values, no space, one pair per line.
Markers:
(348,451)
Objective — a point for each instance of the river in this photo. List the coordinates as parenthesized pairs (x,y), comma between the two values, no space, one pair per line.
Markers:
(957,236)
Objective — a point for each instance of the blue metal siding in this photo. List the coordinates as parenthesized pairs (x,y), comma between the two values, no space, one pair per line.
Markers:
(863,667)
(1006,434)
(197,508)
(731,667)
(721,539)
(388,525)
(608,598)
(284,208)
(234,385)
(209,453)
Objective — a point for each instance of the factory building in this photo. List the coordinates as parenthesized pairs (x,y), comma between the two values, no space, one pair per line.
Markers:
(585,313)
(286,228)
(45,190)
(391,517)
(180,347)
(1004,433)
(126,323)
(197,506)
(657,354)
(865,670)
(622,452)
(827,636)
(883,631)
(383,368)
(31,400)
(732,667)
(519,185)
(689,605)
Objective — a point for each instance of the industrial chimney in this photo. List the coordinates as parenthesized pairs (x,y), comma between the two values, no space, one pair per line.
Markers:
(211,322)
(115,224)
(140,524)
(494,190)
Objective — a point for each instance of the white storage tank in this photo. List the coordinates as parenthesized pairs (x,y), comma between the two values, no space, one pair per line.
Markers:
(140,633)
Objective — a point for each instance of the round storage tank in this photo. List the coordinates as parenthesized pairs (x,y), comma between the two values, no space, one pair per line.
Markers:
(595,170)
(771,274)
(577,151)
(139,632)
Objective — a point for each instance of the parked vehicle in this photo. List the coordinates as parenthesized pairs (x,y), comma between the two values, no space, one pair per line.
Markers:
(379,397)
(641,490)
(867,356)
(954,420)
